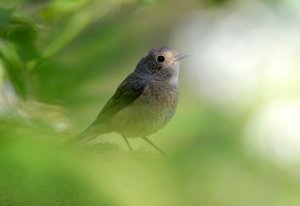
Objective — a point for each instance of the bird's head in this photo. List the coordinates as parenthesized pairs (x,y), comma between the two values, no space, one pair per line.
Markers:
(160,64)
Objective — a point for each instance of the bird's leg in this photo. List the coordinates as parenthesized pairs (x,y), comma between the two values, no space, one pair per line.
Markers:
(127,143)
(153,145)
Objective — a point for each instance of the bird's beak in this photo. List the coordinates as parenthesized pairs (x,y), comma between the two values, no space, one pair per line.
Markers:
(181,56)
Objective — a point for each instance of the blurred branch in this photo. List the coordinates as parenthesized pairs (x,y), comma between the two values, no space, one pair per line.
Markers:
(18,33)
(83,14)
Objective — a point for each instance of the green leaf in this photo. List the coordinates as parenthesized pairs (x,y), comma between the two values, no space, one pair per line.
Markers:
(13,67)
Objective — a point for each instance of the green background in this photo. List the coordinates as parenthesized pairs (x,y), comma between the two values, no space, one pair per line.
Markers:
(59,63)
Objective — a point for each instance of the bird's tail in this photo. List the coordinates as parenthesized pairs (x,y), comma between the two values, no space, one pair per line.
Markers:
(88,134)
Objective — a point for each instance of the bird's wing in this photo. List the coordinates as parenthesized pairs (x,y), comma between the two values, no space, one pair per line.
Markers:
(128,91)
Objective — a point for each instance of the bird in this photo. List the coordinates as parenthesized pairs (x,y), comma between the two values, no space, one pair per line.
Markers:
(144,102)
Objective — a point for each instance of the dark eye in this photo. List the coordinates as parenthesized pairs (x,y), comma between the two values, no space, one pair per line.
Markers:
(161,58)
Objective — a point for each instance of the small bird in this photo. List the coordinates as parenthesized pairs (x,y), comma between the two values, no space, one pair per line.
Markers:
(144,102)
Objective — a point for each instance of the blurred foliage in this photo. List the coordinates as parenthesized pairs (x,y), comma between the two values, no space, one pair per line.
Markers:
(17,35)
(60,60)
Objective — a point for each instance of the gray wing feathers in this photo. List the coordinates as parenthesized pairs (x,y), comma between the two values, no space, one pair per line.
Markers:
(128,91)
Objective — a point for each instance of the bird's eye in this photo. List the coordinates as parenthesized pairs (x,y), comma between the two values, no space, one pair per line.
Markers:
(161,58)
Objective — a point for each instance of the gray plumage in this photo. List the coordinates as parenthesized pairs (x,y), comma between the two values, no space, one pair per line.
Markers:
(144,102)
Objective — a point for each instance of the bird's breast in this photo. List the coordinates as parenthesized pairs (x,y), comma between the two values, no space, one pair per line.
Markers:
(161,94)
(149,112)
